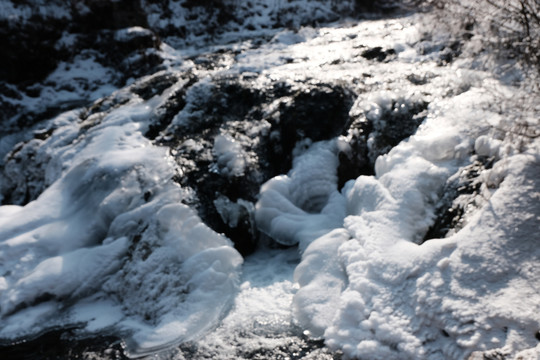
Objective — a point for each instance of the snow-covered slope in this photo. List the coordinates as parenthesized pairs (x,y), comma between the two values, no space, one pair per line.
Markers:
(382,190)
(109,243)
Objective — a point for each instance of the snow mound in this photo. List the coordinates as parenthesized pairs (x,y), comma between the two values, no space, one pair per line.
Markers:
(110,236)
(370,287)
(301,206)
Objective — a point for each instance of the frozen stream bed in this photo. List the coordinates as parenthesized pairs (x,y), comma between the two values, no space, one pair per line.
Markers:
(260,325)
(360,190)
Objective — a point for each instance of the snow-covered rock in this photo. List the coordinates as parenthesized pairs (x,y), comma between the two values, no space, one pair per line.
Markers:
(383,195)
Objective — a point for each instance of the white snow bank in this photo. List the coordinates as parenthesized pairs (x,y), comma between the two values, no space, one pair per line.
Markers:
(110,233)
(366,285)
(445,298)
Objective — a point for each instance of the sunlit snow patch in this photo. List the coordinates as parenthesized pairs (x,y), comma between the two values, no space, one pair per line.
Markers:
(110,236)
(368,287)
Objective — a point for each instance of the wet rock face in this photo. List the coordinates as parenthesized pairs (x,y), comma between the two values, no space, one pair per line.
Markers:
(258,126)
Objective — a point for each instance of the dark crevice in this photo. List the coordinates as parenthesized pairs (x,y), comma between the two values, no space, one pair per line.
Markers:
(395,124)
(450,212)
(64,344)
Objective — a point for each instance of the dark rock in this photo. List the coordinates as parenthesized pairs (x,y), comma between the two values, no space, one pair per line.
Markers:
(356,162)
(375,6)
(165,112)
(417,79)
(22,176)
(105,104)
(451,209)
(266,124)
(398,123)
(377,53)
(395,124)
(64,344)
(317,112)
(34,47)
(154,86)
(28,52)
(449,53)
(93,15)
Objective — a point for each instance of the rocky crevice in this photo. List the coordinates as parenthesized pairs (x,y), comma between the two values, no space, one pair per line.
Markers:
(461,195)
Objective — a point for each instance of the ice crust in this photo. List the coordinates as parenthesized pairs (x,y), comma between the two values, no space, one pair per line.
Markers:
(110,233)
(300,206)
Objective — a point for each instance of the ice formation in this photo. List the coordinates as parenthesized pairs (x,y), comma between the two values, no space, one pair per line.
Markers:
(367,284)
(230,158)
(109,246)
(110,232)
(300,206)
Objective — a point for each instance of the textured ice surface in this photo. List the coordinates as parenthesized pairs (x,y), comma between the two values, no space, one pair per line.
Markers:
(110,233)
(304,204)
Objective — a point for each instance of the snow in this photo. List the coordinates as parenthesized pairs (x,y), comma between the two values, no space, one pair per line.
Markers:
(262,306)
(379,295)
(67,275)
(78,241)
(485,146)
(367,286)
(109,243)
(304,204)
(230,157)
